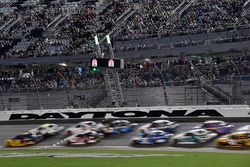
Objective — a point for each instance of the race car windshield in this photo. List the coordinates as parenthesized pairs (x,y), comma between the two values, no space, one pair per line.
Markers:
(79,126)
(116,124)
(153,125)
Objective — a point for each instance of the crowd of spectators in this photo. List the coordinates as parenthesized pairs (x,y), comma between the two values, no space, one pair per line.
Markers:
(61,28)
(49,28)
(202,17)
(51,78)
(148,73)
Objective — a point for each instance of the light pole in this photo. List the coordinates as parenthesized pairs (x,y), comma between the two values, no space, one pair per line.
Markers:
(239,75)
(164,85)
(37,91)
(67,90)
(1,91)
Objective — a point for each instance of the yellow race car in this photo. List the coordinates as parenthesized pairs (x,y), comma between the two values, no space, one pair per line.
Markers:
(24,139)
(236,139)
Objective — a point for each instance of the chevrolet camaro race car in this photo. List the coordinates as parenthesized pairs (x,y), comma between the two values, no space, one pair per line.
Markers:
(151,137)
(217,126)
(236,139)
(24,139)
(117,126)
(83,138)
(195,136)
(81,127)
(47,129)
(164,125)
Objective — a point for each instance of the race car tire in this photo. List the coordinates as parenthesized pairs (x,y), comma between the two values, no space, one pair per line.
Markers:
(68,143)
(8,144)
(154,142)
(133,143)
(69,133)
(197,141)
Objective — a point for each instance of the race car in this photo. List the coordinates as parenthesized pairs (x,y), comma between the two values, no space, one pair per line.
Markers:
(24,139)
(151,137)
(164,125)
(47,129)
(195,136)
(117,126)
(217,126)
(236,139)
(244,128)
(83,138)
(81,127)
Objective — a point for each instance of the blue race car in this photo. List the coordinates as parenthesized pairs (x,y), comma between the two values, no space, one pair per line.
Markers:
(152,137)
(24,139)
(117,126)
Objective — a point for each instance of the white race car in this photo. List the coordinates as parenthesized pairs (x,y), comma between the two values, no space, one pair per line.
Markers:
(47,129)
(196,136)
(244,128)
(81,127)
(164,125)
(83,138)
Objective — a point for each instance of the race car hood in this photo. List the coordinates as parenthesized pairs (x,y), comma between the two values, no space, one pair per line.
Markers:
(144,127)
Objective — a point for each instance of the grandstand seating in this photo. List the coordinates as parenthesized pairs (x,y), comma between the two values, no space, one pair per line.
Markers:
(36,28)
(47,31)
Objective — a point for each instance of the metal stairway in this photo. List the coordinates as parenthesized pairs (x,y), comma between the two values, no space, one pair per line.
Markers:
(210,88)
(10,24)
(113,87)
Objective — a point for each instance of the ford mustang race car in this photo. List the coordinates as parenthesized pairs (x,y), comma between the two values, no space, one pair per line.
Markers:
(164,125)
(151,137)
(83,138)
(47,129)
(24,139)
(196,136)
(217,126)
(117,126)
(81,127)
(236,139)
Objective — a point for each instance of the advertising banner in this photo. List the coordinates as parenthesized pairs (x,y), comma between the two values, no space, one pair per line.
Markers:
(129,112)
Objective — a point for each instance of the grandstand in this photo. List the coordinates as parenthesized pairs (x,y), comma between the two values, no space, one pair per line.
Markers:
(176,52)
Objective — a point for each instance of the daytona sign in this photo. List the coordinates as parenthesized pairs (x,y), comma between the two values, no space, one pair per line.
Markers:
(130,112)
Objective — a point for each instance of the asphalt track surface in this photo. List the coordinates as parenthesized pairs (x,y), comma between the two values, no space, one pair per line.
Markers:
(117,141)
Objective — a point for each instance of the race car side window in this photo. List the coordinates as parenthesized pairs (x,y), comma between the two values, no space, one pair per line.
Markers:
(19,137)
